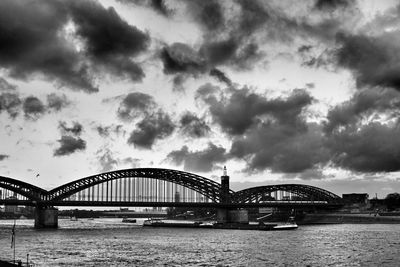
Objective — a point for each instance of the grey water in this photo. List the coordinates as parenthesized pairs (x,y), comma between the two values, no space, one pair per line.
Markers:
(109,242)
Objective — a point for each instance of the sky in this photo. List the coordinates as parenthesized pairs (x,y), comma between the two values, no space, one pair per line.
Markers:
(278,91)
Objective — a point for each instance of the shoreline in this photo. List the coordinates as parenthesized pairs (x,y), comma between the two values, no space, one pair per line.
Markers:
(347,218)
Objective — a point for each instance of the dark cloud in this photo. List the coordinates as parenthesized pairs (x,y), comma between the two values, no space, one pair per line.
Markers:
(314,174)
(208,13)
(268,133)
(151,128)
(232,40)
(69,145)
(105,32)
(198,161)
(312,58)
(374,147)
(6,86)
(31,43)
(310,85)
(281,148)
(219,52)
(181,58)
(246,57)
(133,163)
(33,107)
(329,5)
(207,93)
(243,109)
(106,160)
(193,126)
(372,59)
(10,103)
(230,45)
(105,131)
(237,48)
(135,104)
(76,128)
(158,5)
(57,102)
(304,48)
(362,132)
(253,16)
(221,76)
(3,157)
(363,104)
(123,67)
(109,39)
(178,82)
(232,32)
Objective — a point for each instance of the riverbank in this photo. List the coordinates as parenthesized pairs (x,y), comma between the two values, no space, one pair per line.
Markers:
(333,218)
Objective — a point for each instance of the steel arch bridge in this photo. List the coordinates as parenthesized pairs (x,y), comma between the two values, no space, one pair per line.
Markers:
(285,192)
(25,190)
(163,188)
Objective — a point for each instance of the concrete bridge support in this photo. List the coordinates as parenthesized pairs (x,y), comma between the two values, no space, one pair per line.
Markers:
(232,216)
(46,217)
(229,215)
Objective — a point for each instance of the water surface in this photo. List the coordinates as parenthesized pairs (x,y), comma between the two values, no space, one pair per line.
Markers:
(109,242)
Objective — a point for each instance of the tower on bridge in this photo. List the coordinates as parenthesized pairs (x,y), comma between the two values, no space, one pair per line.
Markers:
(225,195)
(225,215)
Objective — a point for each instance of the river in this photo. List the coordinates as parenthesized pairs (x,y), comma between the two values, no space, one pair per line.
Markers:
(109,242)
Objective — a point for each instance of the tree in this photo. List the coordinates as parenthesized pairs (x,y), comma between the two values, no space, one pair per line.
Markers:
(392,201)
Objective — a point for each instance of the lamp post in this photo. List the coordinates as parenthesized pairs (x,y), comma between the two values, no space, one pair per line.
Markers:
(13,240)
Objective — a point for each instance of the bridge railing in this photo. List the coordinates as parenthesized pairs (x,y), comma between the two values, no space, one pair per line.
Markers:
(159,185)
(137,190)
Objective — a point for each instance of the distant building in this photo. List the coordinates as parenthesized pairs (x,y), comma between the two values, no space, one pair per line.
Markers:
(356,198)
(378,204)
(11,208)
(356,202)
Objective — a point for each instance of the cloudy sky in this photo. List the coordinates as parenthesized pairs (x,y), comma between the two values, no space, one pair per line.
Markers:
(278,91)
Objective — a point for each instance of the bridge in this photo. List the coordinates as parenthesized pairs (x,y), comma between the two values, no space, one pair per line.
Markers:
(155,187)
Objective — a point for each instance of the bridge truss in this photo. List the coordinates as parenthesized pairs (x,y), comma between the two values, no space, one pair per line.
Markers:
(159,187)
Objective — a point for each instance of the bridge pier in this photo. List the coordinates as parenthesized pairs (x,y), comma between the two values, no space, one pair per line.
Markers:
(229,215)
(232,216)
(46,217)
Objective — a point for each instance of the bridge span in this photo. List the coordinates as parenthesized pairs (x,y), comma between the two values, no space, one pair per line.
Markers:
(155,187)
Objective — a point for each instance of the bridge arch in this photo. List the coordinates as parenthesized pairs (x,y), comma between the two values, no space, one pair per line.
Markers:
(27,190)
(298,191)
(202,185)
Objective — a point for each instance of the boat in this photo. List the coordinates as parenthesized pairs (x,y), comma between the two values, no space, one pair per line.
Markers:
(206,225)
(11,263)
(73,218)
(289,225)
(174,223)
(127,220)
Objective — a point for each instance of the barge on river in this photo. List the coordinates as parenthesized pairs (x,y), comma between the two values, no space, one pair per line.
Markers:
(238,226)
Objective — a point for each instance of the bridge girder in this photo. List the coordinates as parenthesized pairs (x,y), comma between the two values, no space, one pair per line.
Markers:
(204,186)
(255,194)
(24,189)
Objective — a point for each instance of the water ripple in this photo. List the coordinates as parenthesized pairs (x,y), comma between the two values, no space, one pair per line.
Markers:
(108,242)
